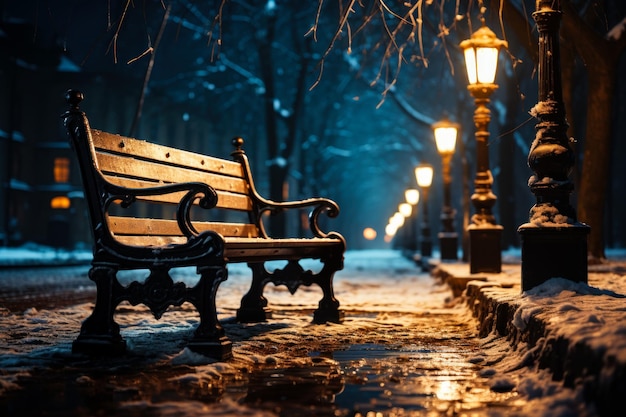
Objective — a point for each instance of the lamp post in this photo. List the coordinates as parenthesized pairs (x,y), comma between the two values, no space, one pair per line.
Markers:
(554,243)
(481,60)
(424,177)
(412,197)
(445,137)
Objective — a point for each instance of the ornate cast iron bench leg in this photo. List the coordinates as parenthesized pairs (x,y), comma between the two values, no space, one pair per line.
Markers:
(328,308)
(209,338)
(253,307)
(100,334)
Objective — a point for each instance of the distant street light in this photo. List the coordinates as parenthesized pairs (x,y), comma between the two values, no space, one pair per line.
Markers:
(554,243)
(369,233)
(405,209)
(481,60)
(424,177)
(412,197)
(445,137)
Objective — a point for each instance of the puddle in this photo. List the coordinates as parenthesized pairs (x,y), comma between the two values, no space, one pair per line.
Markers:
(383,378)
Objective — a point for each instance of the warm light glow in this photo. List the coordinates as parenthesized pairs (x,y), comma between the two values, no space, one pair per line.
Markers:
(390,230)
(412,196)
(424,175)
(470,65)
(61,169)
(369,233)
(60,202)
(448,391)
(405,209)
(481,56)
(397,220)
(445,135)
(481,65)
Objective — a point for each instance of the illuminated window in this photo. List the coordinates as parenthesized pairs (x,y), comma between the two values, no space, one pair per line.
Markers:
(61,169)
(60,202)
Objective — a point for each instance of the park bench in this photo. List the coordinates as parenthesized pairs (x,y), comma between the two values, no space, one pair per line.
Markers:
(155,208)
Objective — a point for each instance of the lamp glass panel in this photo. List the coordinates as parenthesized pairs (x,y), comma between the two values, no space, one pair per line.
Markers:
(487,64)
(470,64)
(412,196)
(424,175)
(445,137)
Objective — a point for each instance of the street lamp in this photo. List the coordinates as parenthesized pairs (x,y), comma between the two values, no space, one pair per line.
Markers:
(405,209)
(424,177)
(554,243)
(412,197)
(481,60)
(445,137)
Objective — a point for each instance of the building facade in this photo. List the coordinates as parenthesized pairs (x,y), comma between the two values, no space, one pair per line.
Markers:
(41,197)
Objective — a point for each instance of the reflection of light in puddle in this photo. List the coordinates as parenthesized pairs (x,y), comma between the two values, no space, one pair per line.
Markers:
(447,391)
(416,378)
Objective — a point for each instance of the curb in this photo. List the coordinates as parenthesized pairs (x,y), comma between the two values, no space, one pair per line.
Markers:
(496,303)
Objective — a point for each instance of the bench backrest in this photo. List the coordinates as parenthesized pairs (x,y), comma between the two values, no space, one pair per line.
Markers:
(132,163)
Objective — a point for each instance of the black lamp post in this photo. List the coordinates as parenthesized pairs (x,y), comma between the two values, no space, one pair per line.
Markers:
(554,243)
(424,177)
(481,60)
(408,237)
(412,197)
(445,136)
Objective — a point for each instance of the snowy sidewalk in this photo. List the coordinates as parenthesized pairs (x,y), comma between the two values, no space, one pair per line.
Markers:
(555,350)
(33,255)
(576,331)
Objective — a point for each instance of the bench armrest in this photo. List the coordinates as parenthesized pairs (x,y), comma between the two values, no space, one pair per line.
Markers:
(205,194)
(317,205)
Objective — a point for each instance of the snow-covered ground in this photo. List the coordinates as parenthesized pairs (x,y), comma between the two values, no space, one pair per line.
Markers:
(32,254)
(384,298)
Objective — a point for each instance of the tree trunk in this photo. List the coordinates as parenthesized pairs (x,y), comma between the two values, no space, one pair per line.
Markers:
(601,58)
(597,153)
(276,170)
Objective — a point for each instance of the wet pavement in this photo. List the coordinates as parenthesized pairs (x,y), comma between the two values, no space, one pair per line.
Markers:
(389,358)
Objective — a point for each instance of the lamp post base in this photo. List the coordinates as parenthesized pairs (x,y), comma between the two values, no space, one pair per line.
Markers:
(553,252)
(426,248)
(485,249)
(422,258)
(448,243)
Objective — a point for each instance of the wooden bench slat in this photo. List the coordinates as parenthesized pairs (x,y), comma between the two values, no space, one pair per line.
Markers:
(156,152)
(132,226)
(249,249)
(225,199)
(125,166)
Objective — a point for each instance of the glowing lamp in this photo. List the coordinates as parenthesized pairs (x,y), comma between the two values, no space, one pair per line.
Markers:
(405,209)
(424,175)
(445,136)
(481,55)
(412,196)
